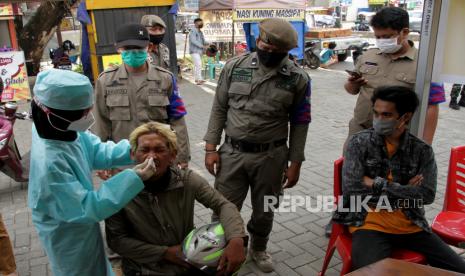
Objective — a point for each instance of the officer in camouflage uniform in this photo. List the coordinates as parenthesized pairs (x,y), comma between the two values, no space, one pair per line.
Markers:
(159,54)
(138,92)
(259,95)
(454,95)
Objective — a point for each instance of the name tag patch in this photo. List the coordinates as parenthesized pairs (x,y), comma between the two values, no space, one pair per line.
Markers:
(242,75)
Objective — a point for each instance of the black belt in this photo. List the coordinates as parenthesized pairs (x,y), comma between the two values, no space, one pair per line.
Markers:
(244,146)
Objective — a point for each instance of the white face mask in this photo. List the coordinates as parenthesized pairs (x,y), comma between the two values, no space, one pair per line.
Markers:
(388,45)
(82,124)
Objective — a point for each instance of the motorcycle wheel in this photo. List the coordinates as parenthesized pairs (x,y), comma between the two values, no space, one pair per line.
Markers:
(312,61)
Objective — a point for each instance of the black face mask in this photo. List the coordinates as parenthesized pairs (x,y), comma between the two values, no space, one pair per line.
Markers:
(156,39)
(270,59)
(200,26)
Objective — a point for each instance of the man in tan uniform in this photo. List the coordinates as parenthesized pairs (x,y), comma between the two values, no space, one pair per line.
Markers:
(382,66)
(159,54)
(138,92)
(258,96)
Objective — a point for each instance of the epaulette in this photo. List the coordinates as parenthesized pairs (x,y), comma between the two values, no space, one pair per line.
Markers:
(162,69)
(109,69)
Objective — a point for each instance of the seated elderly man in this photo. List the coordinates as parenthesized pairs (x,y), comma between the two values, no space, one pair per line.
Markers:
(148,232)
(395,173)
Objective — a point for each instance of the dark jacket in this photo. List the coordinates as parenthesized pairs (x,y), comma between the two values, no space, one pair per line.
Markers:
(366,155)
(143,230)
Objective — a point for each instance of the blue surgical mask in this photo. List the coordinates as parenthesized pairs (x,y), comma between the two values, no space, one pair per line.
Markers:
(134,58)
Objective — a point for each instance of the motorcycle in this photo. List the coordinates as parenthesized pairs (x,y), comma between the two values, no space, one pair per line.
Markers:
(312,55)
(60,57)
(357,50)
(361,26)
(11,162)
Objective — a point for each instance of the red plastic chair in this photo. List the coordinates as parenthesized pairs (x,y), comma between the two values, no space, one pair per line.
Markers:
(341,238)
(450,223)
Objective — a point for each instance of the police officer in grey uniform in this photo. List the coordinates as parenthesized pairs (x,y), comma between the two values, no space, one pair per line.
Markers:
(159,53)
(259,95)
(138,92)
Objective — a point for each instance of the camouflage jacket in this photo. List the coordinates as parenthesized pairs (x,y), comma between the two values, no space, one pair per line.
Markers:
(366,155)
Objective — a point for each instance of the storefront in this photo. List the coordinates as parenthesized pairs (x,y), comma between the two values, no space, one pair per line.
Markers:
(250,13)
(12,64)
(102,18)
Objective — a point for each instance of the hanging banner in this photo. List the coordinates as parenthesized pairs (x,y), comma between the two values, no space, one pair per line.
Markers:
(208,5)
(260,14)
(264,4)
(14,76)
(218,26)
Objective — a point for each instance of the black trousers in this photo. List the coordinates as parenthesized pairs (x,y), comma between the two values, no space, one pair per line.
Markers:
(369,246)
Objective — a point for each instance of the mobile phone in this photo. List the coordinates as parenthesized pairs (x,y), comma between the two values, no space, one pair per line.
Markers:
(353,74)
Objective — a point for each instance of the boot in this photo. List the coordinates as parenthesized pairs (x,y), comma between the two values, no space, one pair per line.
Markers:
(462,101)
(263,260)
(453,104)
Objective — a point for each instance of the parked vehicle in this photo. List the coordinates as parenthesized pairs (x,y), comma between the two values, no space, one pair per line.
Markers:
(312,55)
(11,162)
(357,50)
(361,24)
(344,45)
(416,18)
(324,21)
(60,57)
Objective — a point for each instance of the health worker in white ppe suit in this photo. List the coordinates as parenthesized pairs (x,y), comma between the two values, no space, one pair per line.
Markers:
(66,209)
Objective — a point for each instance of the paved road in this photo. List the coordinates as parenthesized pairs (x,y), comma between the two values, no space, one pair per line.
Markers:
(297,242)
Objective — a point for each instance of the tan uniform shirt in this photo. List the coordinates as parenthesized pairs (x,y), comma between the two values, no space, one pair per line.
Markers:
(143,230)
(380,70)
(256,105)
(121,105)
(161,57)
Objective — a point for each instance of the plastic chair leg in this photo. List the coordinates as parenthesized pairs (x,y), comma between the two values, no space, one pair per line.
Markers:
(328,256)
(346,266)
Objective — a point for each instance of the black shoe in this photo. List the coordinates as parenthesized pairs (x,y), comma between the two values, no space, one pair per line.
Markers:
(462,101)
(454,105)
(328,229)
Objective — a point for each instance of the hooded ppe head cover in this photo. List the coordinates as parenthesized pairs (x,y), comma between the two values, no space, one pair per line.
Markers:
(68,95)
(63,90)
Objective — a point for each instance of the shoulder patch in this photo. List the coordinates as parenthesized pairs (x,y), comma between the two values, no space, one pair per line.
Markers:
(238,58)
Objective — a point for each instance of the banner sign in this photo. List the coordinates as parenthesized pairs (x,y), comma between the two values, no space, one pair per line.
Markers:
(110,61)
(6,10)
(259,14)
(14,76)
(266,4)
(218,26)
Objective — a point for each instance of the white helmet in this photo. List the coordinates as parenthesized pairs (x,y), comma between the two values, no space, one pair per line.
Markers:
(204,246)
